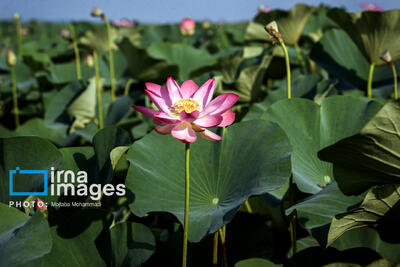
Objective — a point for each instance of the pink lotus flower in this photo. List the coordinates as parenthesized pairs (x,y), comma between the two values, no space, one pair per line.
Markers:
(187,26)
(65,33)
(371,7)
(263,9)
(188,109)
(124,23)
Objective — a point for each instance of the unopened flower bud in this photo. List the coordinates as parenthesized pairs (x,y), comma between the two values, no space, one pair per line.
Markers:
(206,24)
(96,12)
(40,205)
(386,57)
(11,58)
(16,17)
(65,33)
(187,26)
(89,60)
(273,32)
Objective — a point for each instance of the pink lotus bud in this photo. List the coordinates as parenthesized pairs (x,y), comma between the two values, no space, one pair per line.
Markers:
(187,26)
(65,33)
(89,60)
(40,205)
(11,58)
(24,31)
(96,12)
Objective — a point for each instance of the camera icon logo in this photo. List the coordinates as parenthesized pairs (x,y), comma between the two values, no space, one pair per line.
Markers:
(19,171)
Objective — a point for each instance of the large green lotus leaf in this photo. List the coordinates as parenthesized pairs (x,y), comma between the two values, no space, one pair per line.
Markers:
(142,66)
(104,142)
(368,238)
(27,153)
(369,158)
(66,72)
(338,54)
(311,127)
(318,23)
(14,217)
(59,103)
(37,127)
(377,263)
(23,76)
(377,204)
(83,108)
(249,81)
(120,67)
(186,57)
(223,174)
(319,209)
(119,109)
(256,262)
(134,35)
(131,243)
(74,241)
(75,159)
(97,39)
(25,241)
(320,256)
(301,85)
(237,31)
(373,32)
(290,24)
(160,33)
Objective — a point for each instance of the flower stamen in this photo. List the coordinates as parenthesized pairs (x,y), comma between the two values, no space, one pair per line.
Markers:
(188,105)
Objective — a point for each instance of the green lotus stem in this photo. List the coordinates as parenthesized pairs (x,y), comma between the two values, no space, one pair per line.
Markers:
(292,224)
(370,76)
(19,38)
(127,86)
(186,219)
(248,207)
(111,58)
(395,81)
(15,97)
(76,51)
(299,55)
(215,249)
(285,52)
(98,89)
(222,235)
(292,229)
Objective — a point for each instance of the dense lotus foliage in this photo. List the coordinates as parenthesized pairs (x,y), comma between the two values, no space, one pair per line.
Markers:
(299,164)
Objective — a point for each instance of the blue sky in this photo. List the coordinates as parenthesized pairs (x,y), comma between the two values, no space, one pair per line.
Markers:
(159,11)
